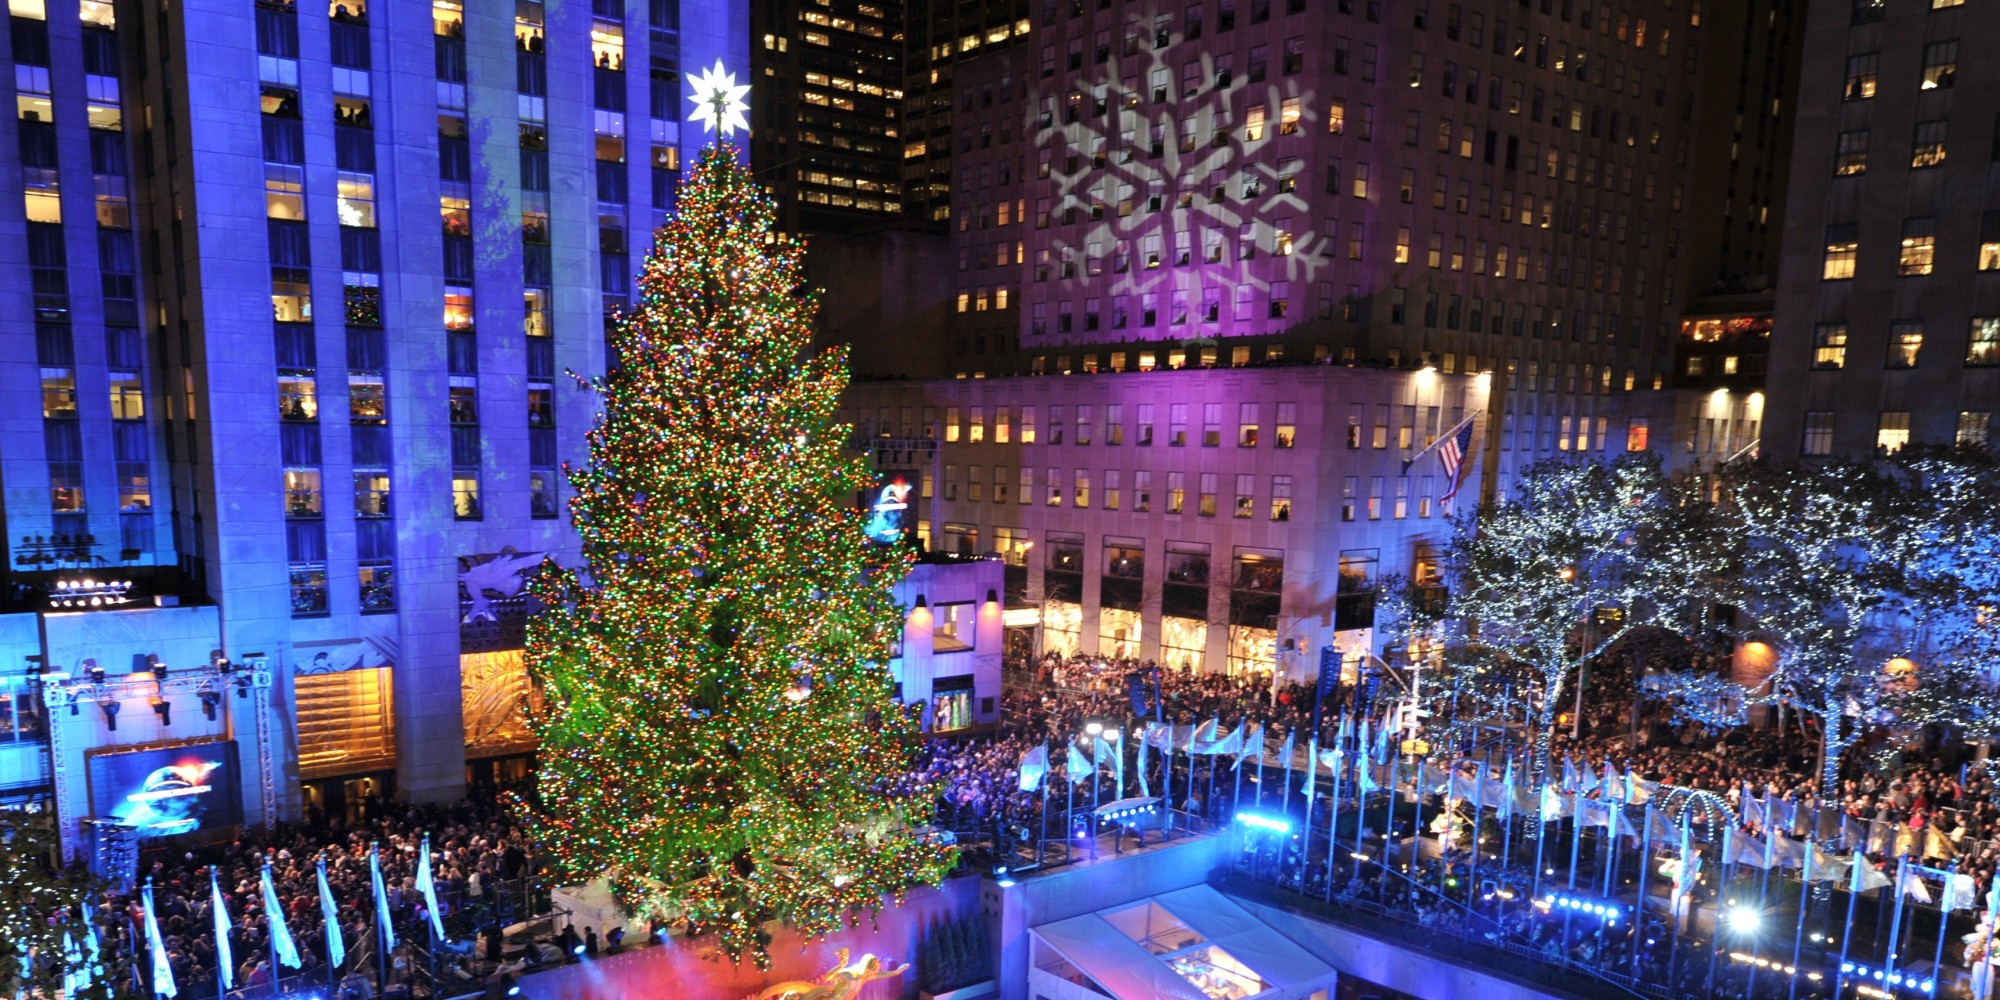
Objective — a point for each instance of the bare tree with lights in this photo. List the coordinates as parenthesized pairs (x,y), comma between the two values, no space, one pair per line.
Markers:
(1532,572)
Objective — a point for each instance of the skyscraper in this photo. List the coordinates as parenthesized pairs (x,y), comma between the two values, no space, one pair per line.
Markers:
(1888,307)
(306,342)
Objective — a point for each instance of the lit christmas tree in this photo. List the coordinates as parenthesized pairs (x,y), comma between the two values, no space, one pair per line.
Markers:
(720,721)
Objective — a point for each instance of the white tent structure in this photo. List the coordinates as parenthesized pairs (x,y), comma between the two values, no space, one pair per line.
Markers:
(1190,944)
(587,906)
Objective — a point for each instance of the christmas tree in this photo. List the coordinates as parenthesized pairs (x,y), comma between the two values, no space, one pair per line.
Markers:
(720,726)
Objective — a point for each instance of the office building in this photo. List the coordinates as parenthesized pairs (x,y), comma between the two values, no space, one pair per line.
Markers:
(295,353)
(1888,310)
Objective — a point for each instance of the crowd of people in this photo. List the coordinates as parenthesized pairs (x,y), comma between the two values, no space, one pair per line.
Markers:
(1927,803)
(480,865)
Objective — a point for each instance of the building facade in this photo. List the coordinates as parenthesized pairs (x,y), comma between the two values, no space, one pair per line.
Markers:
(1887,325)
(1231,520)
(1476,187)
(323,388)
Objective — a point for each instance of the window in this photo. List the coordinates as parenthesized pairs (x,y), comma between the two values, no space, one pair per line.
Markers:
(1084,419)
(1851,155)
(1281,498)
(1114,495)
(1027,425)
(1861,76)
(1349,486)
(1082,487)
(1636,434)
(1211,425)
(1892,432)
(1246,496)
(1207,497)
(1287,428)
(954,627)
(1176,492)
(1927,144)
(1818,438)
(1918,248)
(1176,425)
(1842,243)
(1940,64)
(1905,340)
(1989,242)
(465,495)
(1829,345)
(1055,488)
(1973,425)
(1983,346)
(1246,425)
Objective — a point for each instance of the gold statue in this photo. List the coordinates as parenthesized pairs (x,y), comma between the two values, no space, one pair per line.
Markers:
(842,982)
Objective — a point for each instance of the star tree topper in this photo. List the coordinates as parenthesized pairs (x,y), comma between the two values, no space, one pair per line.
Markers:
(719,100)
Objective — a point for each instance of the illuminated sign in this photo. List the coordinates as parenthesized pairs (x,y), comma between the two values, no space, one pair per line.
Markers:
(167,791)
(890,508)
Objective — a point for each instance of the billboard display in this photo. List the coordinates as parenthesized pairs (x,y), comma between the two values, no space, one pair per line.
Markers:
(168,790)
(890,507)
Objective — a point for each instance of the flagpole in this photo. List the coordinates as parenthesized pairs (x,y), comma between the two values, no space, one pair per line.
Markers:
(1645,873)
(222,923)
(1389,812)
(271,939)
(1799,929)
(1042,841)
(1478,807)
(1944,921)
(381,936)
(1333,813)
(1847,929)
(1896,923)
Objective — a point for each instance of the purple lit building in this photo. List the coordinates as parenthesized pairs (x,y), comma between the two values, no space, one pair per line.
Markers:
(1357,219)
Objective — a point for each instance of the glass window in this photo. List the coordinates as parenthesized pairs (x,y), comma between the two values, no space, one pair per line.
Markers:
(1818,437)
(1892,432)
(1918,248)
(954,627)
(357,199)
(1851,156)
(1905,341)
(297,396)
(465,495)
(1843,242)
(1861,76)
(1211,425)
(1246,425)
(1829,345)
(1983,346)
(1927,144)
(1940,64)
(1973,426)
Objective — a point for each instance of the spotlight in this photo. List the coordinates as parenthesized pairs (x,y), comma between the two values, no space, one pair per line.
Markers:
(220,662)
(242,685)
(37,666)
(576,950)
(614,940)
(159,669)
(162,709)
(110,709)
(209,702)
(1001,878)
(96,672)
(1093,727)
(992,597)
(1743,919)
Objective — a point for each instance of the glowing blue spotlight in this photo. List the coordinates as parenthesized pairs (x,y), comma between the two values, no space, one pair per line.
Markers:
(1259,821)
(1743,919)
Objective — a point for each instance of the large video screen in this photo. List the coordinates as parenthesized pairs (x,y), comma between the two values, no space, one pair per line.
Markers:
(890,508)
(168,791)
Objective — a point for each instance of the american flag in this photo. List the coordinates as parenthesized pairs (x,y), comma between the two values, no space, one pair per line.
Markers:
(1451,454)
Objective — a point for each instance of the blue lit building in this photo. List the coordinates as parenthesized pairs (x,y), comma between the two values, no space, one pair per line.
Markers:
(287,308)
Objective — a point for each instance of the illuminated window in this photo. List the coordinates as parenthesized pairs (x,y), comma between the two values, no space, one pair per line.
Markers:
(284,191)
(128,398)
(1927,144)
(1973,426)
(1892,431)
(302,493)
(1843,242)
(1989,242)
(1905,341)
(1829,345)
(1861,76)
(1983,346)
(1940,64)
(1918,247)
(1851,157)
(357,199)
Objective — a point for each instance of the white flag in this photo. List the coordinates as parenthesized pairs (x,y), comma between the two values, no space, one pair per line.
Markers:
(225,963)
(336,951)
(381,898)
(274,916)
(429,888)
(163,971)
